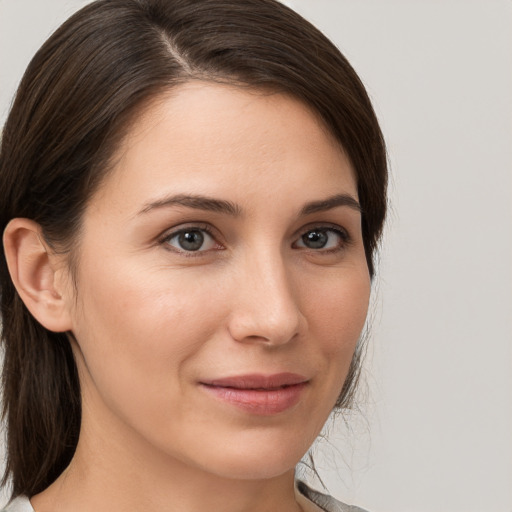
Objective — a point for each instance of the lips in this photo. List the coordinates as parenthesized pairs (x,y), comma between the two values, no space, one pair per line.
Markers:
(258,394)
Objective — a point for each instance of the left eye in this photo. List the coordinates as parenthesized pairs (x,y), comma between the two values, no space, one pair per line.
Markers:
(191,240)
(322,238)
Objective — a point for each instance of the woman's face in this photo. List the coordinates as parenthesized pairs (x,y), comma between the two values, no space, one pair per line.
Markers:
(222,284)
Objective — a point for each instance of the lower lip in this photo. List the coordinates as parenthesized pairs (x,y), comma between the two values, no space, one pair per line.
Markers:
(256,401)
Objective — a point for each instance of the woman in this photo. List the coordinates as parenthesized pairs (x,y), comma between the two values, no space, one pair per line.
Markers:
(192,195)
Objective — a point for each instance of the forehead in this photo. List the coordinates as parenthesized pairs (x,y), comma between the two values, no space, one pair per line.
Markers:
(222,139)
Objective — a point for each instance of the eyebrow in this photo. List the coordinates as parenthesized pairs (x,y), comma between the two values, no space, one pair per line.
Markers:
(197,202)
(330,203)
(200,202)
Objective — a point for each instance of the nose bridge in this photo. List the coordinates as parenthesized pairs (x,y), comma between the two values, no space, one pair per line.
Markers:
(266,306)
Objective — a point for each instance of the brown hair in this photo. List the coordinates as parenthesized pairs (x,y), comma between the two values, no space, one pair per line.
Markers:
(70,112)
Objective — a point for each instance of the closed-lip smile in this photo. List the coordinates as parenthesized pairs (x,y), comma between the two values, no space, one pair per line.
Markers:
(258,393)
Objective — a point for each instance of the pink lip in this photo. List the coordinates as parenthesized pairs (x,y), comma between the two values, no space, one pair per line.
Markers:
(259,394)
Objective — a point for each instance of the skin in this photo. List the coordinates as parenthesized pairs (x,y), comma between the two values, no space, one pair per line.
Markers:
(152,321)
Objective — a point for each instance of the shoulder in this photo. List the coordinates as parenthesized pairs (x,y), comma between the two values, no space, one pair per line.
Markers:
(324,501)
(19,504)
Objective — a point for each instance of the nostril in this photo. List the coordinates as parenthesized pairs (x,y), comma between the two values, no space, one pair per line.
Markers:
(268,334)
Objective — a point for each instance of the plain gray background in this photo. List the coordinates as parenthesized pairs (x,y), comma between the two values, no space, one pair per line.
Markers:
(435,430)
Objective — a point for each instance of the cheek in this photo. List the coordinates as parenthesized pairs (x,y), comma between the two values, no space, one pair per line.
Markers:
(337,312)
(134,330)
(136,359)
(337,309)
(143,305)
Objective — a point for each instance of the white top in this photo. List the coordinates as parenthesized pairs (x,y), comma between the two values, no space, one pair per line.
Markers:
(325,502)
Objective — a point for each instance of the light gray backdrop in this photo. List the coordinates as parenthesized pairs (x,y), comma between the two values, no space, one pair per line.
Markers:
(436,429)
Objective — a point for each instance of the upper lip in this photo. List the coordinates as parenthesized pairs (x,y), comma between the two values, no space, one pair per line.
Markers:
(258,381)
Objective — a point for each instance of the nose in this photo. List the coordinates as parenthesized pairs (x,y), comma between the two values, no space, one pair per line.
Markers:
(266,308)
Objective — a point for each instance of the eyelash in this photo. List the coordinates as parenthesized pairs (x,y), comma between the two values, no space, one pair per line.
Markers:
(205,228)
(345,239)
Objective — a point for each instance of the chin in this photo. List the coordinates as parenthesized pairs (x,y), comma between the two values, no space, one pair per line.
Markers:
(256,460)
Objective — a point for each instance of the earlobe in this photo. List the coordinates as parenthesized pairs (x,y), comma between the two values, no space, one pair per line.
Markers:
(33,270)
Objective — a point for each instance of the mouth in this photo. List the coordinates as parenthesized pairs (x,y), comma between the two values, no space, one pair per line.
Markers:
(259,394)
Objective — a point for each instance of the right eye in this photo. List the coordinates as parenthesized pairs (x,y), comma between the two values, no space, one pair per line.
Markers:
(191,240)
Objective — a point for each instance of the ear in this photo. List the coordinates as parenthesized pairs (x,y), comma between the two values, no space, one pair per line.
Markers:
(36,274)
